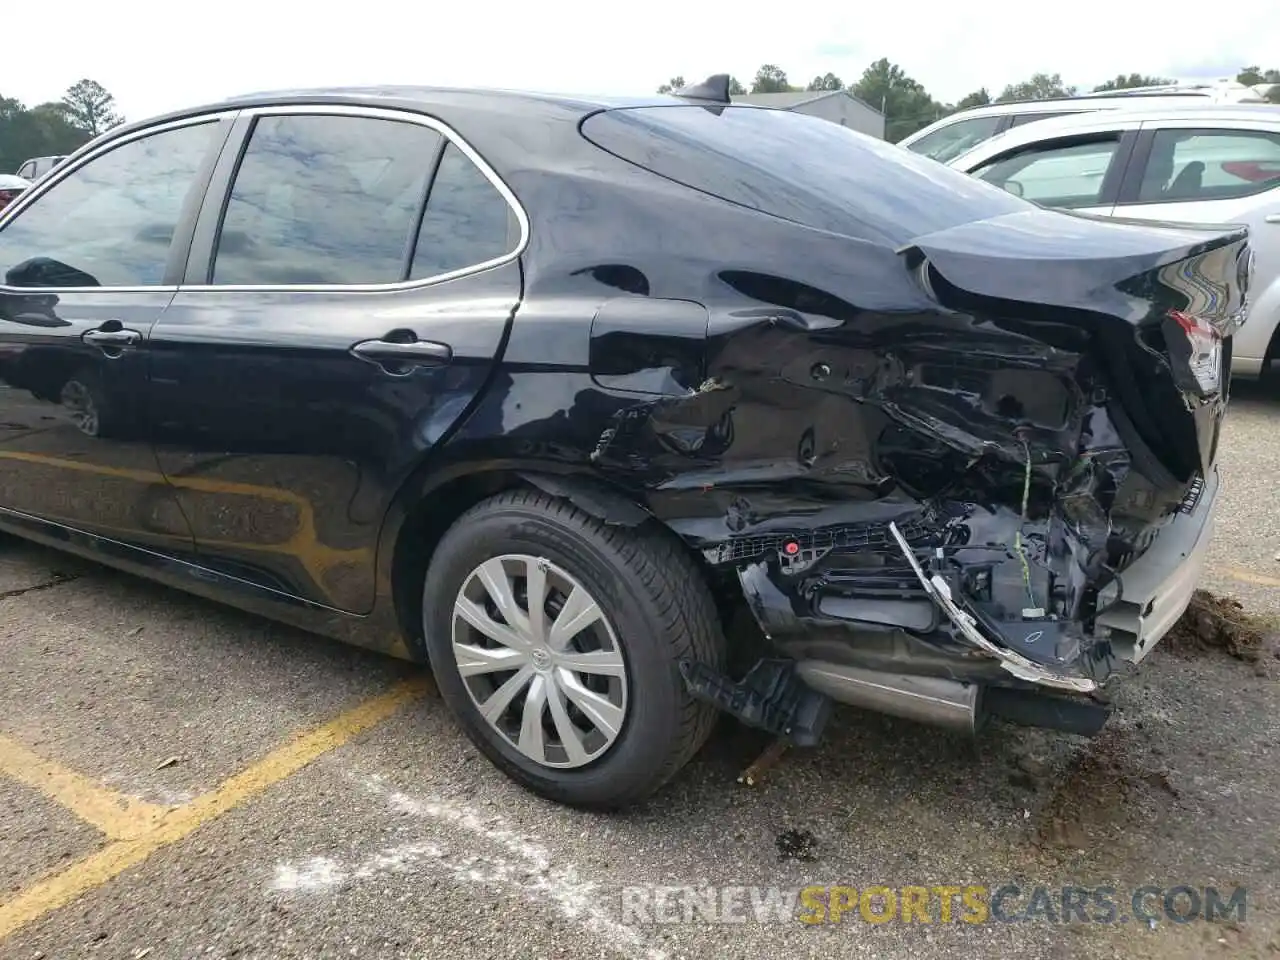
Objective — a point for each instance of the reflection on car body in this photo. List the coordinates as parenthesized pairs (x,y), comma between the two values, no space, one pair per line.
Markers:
(543,389)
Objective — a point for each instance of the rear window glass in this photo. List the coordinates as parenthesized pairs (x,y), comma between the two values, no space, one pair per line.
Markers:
(804,169)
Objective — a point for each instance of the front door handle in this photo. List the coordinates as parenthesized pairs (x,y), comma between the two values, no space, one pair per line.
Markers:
(399,356)
(1272,218)
(113,340)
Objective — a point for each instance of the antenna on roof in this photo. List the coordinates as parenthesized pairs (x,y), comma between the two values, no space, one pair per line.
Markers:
(715,87)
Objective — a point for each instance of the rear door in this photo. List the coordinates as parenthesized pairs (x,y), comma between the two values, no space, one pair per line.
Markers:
(87,265)
(350,284)
(1195,172)
(1076,172)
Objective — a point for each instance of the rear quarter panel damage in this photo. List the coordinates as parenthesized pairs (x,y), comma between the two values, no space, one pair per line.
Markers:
(778,395)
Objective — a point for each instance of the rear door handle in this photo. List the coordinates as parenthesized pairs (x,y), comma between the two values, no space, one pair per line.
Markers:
(1272,218)
(400,356)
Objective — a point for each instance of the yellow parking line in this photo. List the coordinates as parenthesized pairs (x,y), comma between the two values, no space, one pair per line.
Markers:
(1248,576)
(98,868)
(118,816)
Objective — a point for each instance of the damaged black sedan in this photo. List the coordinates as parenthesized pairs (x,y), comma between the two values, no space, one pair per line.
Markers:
(546,391)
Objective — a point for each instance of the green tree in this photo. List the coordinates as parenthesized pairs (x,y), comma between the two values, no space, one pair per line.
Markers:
(90,107)
(1129,81)
(770,79)
(40,131)
(979,98)
(1041,86)
(735,88)
(904,102)
(828,81)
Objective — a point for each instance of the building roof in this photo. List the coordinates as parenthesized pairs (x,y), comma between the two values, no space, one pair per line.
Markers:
(794,98)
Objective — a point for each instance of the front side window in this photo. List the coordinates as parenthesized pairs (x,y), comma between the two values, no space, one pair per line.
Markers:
(110,222)
(1055,175)
(28,171)
(949,142)
(467,222)
(325,200)
(1187,165)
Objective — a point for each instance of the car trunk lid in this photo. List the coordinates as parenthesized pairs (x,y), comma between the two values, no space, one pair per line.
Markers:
(1161,302)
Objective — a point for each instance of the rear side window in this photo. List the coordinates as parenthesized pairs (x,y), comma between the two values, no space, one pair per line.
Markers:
(799,168)
(325,200)
(467,222)
(947,143)
(1188,165)
(1054,174)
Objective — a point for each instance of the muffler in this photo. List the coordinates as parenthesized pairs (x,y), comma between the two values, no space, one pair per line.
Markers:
(933,700)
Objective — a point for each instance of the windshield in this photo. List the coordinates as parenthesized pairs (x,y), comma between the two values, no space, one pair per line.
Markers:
(952,139)
(804,169)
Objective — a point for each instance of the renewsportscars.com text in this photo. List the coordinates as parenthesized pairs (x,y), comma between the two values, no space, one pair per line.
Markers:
(936,903)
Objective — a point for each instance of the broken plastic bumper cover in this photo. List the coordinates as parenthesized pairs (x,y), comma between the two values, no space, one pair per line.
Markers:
(1019,666)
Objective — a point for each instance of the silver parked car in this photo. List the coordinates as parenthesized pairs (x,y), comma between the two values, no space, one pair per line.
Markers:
(951,136)
(1209,165)
(37,167)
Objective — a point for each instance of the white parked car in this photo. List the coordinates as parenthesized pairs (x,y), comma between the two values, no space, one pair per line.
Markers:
(951,136)
(10,187)
(1214,165)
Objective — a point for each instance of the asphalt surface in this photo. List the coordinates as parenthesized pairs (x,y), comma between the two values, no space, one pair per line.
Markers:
(398,840)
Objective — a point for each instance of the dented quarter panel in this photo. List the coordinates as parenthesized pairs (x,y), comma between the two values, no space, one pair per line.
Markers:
(777,395)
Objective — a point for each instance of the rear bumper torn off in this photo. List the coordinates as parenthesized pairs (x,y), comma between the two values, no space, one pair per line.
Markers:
(1159,584)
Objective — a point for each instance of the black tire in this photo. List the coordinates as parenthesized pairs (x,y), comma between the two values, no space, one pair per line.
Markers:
(661,612)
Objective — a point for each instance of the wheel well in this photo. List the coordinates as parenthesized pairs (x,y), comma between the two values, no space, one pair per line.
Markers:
(426,523)
(434,514)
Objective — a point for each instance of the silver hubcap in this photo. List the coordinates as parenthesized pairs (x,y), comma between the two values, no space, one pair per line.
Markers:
(540,660)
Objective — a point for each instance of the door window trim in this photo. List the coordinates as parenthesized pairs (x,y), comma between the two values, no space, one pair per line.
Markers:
(182,229)
(1131,189)
(218,195)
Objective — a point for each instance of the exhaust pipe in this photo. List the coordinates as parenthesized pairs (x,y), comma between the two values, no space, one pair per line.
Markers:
(932,700)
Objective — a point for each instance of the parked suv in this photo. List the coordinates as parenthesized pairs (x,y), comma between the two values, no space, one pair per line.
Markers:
(949,137)
(1189,165)
(546,390)
(37,167)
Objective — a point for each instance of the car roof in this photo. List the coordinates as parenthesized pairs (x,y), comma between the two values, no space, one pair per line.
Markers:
(1219,115)
(1109,101)
(517,103)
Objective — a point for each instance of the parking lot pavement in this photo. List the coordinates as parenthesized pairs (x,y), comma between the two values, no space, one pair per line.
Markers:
(181,780)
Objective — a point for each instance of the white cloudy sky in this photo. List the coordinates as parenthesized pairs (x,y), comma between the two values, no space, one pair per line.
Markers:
(157,56)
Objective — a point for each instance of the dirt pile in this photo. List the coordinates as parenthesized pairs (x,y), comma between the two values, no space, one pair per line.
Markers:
(1212,622)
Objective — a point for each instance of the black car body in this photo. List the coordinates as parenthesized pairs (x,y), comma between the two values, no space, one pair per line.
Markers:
(381,362)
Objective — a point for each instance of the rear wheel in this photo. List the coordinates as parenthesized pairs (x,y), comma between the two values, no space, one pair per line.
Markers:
(555,640)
